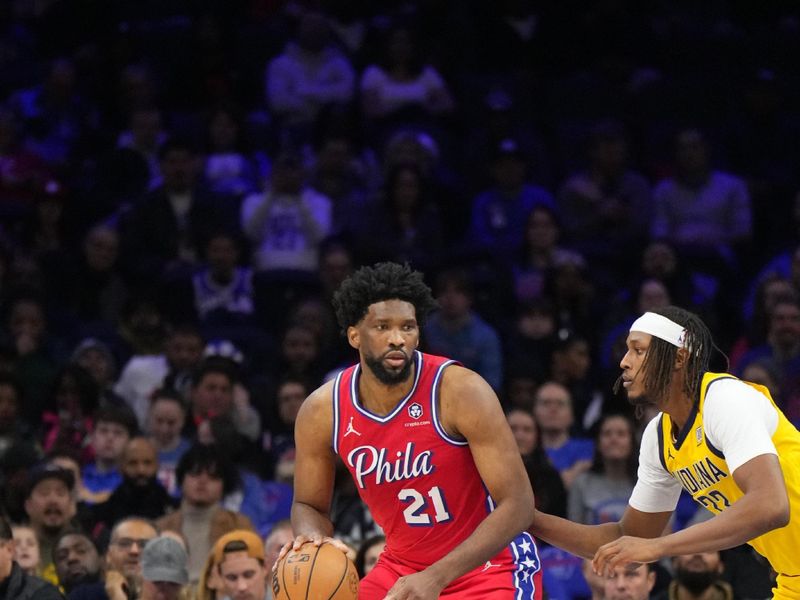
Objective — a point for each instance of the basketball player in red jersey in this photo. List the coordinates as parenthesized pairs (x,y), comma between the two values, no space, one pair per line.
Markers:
(429,449)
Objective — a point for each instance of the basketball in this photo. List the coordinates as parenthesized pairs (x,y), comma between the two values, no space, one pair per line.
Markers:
(315,573)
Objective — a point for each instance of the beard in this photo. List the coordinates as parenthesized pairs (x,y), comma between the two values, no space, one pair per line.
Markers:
(386,376)
(696,582)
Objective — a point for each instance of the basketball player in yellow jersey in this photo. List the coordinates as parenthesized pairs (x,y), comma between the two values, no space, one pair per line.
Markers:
(721,439)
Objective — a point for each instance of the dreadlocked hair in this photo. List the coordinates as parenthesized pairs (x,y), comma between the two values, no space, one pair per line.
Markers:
(658,364)
(382,281)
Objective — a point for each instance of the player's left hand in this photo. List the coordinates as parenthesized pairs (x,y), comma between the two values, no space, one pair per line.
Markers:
(624,551)
(419,586)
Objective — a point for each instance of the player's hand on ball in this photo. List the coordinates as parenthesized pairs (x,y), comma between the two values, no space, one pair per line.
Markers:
(317,540)
(419,586)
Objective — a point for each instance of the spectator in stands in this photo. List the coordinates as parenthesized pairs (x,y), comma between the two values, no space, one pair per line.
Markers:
(698,576)
(456,330)
(69,421)
(58,114)
(14,582)
(222,289)
(539,252)
(92,287)
(286,223)
(571,366)
(35,352)
(165,422)
(138,149)
(404,225)
(164,571)
(143,374)
(608,200)
(50,507)
(341,175)
(123,563)
(499,214)
(701,209)
(280,534)
(24,169)
(114,426)
(165,232)
(213,394)
(96,358)
(308,75)
(77,560)
(631,584)
(368,553)
(139,492)
(205,475)
(227,169)
(242,566)
(552,410)
(26,549)
(12,428)
(600,495)
(403,85)
(544,478)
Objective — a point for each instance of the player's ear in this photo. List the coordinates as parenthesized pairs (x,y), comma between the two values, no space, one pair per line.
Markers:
(681,356)
(353,337)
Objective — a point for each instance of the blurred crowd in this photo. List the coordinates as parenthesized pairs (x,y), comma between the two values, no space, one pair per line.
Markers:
(184,184)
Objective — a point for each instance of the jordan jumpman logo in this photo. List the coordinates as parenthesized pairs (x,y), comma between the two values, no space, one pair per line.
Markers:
(351,429)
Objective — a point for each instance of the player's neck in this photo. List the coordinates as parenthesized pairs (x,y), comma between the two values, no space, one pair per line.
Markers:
(679,408)
(378,397)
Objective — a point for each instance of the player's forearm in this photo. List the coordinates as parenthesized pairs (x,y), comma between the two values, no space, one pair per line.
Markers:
(493,534)
(308,521)
(576,538)
(751,516)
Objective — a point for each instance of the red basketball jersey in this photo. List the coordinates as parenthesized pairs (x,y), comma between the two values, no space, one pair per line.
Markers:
(421,485)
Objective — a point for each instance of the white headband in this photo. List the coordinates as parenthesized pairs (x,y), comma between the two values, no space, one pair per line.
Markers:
(661,327)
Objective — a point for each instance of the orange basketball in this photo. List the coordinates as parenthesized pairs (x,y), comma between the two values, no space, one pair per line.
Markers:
(315,573)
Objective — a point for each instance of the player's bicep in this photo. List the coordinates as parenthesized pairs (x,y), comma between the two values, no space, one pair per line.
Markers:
(314,456)
(473,410)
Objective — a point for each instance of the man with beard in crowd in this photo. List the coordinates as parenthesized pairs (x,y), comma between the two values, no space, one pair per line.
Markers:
(140,493)
(697,577)
(77,560)
(123,576)
(50,506)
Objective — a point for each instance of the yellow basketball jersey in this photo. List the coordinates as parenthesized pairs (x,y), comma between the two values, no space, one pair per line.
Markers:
(703,472)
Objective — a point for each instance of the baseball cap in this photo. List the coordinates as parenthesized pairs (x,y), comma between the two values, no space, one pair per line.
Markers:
(253,544)
(44,471)
(164,559)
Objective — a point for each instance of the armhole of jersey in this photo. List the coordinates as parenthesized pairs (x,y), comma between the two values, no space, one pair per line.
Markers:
(335,397)
(435,407)
(716,451)
(660,432)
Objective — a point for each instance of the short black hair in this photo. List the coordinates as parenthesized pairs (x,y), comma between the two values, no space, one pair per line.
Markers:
(170,394)
(382,281)
(211,459)
(119,414)
(213,364)
(72,531)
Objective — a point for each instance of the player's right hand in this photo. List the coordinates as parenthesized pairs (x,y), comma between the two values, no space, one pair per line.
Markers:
(317,540)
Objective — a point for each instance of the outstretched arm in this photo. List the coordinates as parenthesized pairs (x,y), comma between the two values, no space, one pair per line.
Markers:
(585,540)
(470,410)
(764,507)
